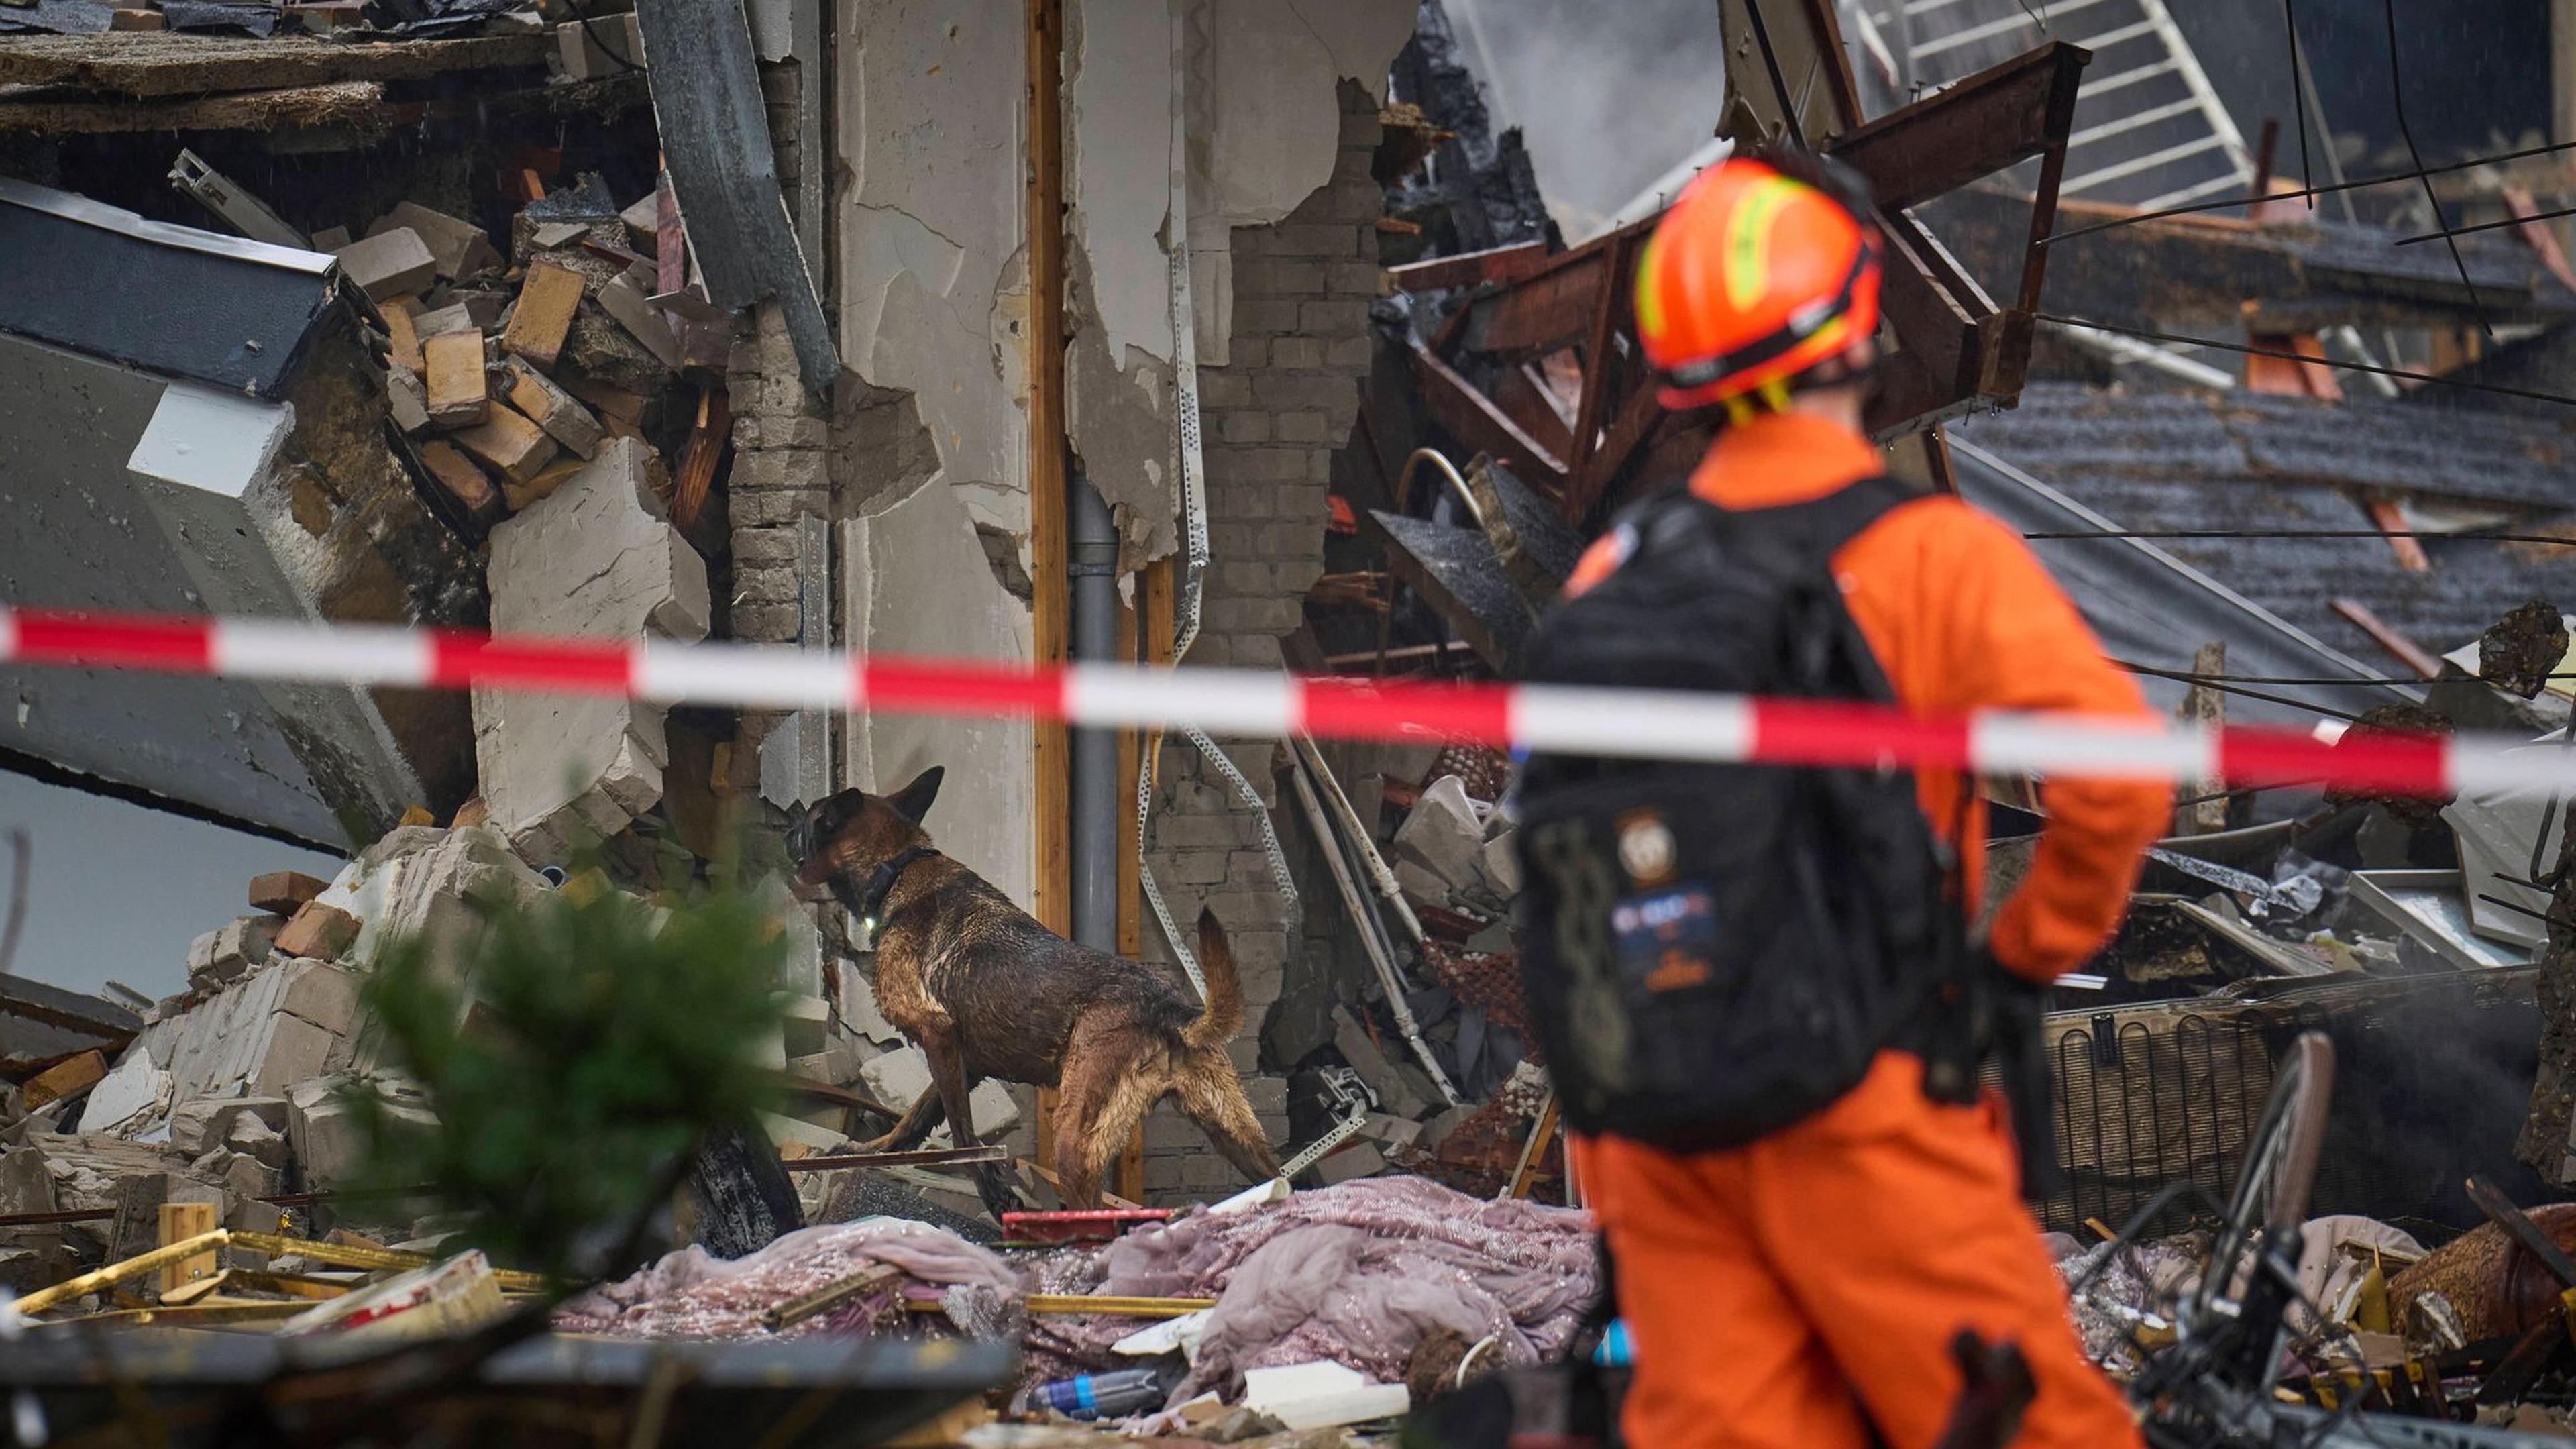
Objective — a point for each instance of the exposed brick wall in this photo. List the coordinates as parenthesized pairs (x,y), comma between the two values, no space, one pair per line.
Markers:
(1272,420)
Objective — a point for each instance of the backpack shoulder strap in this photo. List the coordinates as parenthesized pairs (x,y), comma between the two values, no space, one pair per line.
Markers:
(1817,529)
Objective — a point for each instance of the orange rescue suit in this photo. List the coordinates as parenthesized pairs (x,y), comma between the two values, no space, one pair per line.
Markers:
(1781,1291)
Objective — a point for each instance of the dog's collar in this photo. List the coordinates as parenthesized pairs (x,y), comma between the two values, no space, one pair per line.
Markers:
(881,883)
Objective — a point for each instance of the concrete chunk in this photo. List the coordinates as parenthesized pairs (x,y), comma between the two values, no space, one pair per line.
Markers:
(133,1095)
(459,247)
(508,443)
(460,479)
(553,409)
(610,45)
(594,560)
(807,1026)
(407,398)
(897,1077)
(231,949)
(547,299)
(322,994)
(297,1051)
(1443,834)
(325,1136)
(248,1135)
(457,396)
(388,263)
(201,1124)
(444,321)
(634,311)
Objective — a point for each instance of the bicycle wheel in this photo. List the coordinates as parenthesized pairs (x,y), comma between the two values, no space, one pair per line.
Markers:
(2270,1198)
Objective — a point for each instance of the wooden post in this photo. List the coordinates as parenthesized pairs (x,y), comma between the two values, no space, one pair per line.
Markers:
(1043,216)
(1144,635)
(181,1221)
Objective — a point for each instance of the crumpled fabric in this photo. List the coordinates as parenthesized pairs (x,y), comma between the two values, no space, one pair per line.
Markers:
(691,1294)
(1361,1274)
(2326,1271)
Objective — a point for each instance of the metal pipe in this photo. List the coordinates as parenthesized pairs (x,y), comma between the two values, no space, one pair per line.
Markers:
(1379,956)
(1448,470)
(1091,566)
(1362,840)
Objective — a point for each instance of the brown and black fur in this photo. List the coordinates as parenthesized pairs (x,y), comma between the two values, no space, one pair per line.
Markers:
(986,991)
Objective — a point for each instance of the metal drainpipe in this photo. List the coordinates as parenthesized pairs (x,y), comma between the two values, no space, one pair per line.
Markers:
(1091,566)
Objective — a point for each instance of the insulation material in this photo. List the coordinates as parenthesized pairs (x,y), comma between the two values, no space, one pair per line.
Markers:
(1362,1275)
(689,1294)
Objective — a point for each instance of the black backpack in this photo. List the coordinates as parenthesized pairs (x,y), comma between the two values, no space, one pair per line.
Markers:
(1715,951)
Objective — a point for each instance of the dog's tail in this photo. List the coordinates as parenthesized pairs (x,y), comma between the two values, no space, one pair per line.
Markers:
(1224,1016)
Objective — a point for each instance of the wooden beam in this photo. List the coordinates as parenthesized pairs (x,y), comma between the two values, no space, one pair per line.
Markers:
(1474,420)
(1048,521)
(1043,220)
(1998,117)
(1469,269)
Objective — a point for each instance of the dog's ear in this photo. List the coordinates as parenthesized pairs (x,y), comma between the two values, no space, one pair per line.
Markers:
(913,801)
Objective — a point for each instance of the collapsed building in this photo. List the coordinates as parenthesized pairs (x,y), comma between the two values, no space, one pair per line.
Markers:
(588,320)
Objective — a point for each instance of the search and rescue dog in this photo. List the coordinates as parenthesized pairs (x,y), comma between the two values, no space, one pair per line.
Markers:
(986,991)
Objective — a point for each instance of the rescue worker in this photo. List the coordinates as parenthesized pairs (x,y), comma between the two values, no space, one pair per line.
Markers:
(1804,1290)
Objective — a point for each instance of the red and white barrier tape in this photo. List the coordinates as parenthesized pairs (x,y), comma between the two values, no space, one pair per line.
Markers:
(1648,724)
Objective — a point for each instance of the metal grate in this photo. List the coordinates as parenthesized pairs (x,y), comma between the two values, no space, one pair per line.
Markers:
(2149,129)
(2432,1074)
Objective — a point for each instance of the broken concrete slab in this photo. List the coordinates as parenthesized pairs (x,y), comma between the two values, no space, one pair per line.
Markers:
(248,1135)
(296,1051)
(1358,1160)
(1499,863)
(322,994)
(1443,835)
(444,321)
(388,264)
(201,1124)
(633,309)
(224,953)
(325,1133)
(993,1107)
(807,1025)
(897,1077)
(138,1089)
(407,398)
(858,1000)
(1384,1078)
(435,887)
(597,559)
(610,45)
(459,247)
(553,409)
(139,1201)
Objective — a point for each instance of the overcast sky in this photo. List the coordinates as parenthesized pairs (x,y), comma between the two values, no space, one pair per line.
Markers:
(117,890)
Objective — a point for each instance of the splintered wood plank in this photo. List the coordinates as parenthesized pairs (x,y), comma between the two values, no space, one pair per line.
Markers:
(173,63)
(547,300)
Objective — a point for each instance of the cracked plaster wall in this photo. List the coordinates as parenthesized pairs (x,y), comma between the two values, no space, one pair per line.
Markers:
(1257,79)
(932,278)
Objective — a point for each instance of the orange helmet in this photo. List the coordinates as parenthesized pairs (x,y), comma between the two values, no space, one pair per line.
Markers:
(1754,282)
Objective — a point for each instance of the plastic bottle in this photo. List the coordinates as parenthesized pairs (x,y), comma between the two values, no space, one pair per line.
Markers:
(1102,1396)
